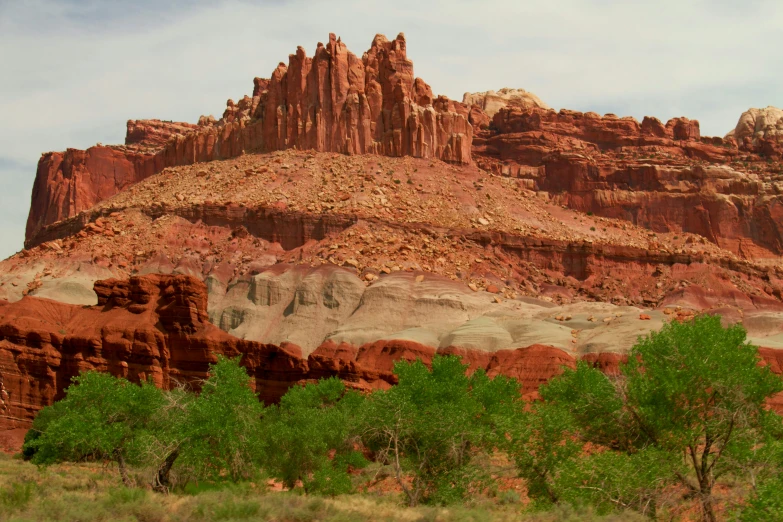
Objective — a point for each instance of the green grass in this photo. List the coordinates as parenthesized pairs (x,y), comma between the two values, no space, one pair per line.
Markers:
(93,492)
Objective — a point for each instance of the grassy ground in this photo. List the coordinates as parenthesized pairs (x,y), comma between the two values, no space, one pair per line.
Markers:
(88,492)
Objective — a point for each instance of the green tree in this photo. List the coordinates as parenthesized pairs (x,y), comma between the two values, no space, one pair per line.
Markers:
(694,390)
(700,389)
(213,435)
(429,426)
(219,432)
(101,417)
(308,437)
(541,441)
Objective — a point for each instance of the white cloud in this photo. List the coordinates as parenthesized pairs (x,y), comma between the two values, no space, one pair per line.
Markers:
(75,71)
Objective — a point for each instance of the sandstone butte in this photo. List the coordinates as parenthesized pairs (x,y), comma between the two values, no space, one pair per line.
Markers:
(342,218)
(332,102)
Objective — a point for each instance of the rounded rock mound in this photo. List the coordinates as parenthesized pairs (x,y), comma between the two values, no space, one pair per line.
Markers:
(492,101)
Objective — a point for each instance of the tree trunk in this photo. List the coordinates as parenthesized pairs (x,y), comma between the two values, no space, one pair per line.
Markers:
(161,482)
(707,507)
(705,489)
(412,498)
(706,481)
(123,469)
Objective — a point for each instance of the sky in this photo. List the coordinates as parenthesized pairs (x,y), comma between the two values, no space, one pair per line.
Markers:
(73,72)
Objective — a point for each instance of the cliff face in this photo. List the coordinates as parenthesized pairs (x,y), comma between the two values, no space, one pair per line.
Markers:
(337,102)
(146,327)
(332,102)
(666,178)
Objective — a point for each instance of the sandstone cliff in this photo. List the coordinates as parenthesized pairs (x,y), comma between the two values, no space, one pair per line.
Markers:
(155,327)
(666,178)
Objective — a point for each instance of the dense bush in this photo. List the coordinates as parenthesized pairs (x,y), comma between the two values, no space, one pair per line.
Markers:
(220,431)
(213,435)
(101,417)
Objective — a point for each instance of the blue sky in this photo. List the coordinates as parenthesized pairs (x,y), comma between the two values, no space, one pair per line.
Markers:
(75,71)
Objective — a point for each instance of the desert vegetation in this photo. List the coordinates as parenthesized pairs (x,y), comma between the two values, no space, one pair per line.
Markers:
(682,432)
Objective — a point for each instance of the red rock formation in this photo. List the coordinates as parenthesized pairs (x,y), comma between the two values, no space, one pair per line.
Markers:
(608,363)
(155,133)
(156,327)
(663,177)
(332,102)
(531,366)
(146,327)
(335,101)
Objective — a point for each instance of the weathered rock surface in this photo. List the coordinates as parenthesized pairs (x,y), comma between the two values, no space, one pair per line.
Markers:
(155,134)
(309,306)
(492,101)
(758,124)
(156,327)
(760,131)
(230,220)
(333,101)
(666,178)
(146,327)
(337,102)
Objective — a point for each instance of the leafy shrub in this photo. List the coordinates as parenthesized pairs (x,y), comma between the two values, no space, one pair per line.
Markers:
(101,417)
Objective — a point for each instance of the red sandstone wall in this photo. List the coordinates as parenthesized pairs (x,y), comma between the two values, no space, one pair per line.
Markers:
(663,177)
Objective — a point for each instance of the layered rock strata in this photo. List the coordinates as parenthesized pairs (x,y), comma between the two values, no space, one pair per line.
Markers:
(664,177)
(155,327)
(373,215)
